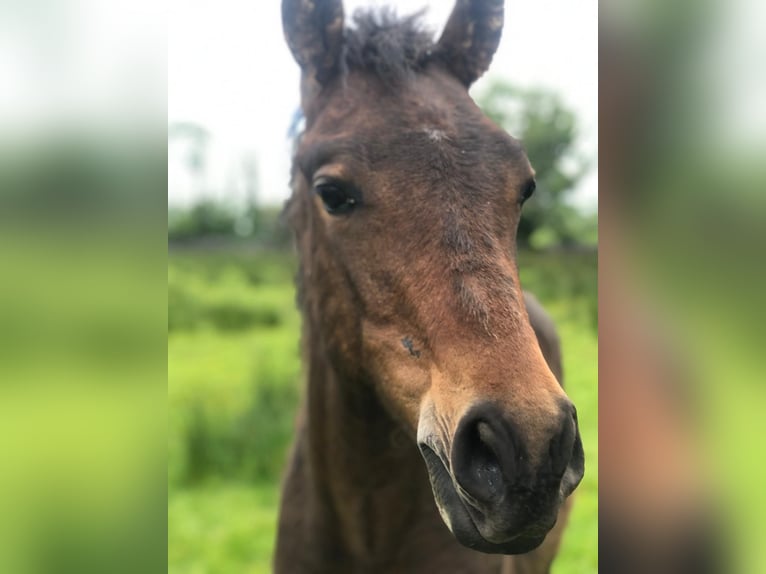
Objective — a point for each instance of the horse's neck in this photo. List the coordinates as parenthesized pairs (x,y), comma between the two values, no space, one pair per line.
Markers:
(368,472)
(357,497)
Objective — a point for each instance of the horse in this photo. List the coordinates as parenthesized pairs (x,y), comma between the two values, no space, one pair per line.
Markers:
(434,434)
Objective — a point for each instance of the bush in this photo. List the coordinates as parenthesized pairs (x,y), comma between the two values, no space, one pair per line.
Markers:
(208,219)
(232,409)
(233,370)
(225,300)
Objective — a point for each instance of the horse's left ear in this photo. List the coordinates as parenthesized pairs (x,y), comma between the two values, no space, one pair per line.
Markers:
(314,31)
(471,37)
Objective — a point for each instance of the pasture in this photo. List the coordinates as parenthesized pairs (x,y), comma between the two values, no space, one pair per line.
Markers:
(234,382)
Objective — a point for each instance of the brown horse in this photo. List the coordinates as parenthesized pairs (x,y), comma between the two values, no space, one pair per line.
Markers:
(435,435)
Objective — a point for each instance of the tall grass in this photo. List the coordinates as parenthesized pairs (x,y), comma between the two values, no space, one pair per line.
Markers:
(233,369)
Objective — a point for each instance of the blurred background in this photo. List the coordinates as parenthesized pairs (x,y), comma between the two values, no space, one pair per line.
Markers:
(234,373)
(82,286)
(681,283)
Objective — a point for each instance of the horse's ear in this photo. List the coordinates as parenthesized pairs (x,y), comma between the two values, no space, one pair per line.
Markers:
(471,37)
(314,31)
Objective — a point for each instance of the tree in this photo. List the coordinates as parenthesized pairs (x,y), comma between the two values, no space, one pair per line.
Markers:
(548,130)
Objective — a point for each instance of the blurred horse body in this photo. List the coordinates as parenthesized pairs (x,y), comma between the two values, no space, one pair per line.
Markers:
(435,435)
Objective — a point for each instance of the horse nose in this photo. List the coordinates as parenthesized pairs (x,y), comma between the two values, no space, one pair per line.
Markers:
(489,454)
(562,446)
(484,456)
(573,456)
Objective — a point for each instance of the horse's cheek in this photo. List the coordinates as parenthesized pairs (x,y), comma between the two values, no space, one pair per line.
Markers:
(401,379)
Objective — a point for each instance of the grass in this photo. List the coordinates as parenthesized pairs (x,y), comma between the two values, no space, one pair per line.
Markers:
(221,528)
(234,384)
(579,552)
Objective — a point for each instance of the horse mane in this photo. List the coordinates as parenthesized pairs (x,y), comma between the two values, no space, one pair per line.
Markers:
(381,43)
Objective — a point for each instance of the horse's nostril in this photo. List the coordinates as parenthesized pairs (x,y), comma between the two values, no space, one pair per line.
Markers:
(482,458)
(562,446)
(575,460)
(489,459)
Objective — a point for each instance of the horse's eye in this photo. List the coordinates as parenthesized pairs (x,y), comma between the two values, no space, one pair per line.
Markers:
(528,190)
(336,197)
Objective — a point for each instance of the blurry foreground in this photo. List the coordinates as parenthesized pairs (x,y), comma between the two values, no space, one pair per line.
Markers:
(682,316)
(82,289)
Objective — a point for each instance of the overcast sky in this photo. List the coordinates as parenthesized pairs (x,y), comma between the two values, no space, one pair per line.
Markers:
(230,70)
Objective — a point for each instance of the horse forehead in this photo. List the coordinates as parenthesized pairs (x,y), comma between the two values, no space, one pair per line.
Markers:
(435,134)
(425,99)
(428,122)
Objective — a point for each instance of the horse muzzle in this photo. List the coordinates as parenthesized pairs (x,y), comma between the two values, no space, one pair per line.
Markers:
(489,493)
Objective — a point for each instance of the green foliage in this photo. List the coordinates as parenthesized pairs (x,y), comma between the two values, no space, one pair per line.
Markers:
(205,218)
(231,402)
(208,219)
(222,528)
(226,303)
(566,282)
(233,366)
(233,391)
(548,130)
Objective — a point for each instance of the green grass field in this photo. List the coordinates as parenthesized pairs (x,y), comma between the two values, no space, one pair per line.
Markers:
(234,383)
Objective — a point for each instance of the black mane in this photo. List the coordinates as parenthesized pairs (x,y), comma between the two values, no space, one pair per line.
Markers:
(383,44)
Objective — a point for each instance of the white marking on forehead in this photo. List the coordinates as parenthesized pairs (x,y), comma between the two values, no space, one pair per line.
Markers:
(435,135)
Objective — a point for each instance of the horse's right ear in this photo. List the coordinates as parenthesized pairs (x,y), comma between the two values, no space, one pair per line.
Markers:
(314,31)
(471,37)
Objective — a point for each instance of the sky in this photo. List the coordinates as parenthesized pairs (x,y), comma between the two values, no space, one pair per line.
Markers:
(230,70)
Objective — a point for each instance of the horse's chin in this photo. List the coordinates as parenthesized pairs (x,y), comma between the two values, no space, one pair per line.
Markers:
(468,535)
(458,519)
